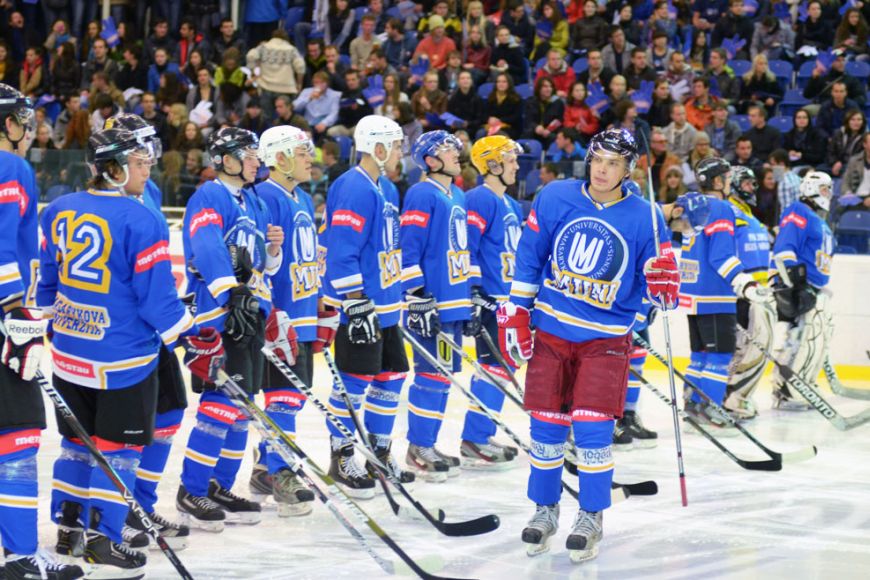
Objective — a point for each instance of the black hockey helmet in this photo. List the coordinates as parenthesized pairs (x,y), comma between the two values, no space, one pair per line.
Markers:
(114,145)
(230,141)
(614,141)
(739,175)
(706,170)
(143,130)
(13,103)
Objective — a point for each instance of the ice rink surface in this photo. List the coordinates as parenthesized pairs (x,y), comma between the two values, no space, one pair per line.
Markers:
(810,520)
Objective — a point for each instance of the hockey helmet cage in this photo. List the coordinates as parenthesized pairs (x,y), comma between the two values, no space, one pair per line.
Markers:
(230,141)
(615,142)
(429,144)
(740,174)
(817,189)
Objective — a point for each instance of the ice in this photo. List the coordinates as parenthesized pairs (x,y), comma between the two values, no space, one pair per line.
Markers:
(811,520)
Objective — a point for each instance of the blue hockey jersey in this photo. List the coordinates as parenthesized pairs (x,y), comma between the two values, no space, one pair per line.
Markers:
(708,264)
(19,234)
(753,241)
(494,228)
(105,270)
(296,284)
(153,197)
(435,248)
(360,234)
(805,238)
(213,220)
(590,257)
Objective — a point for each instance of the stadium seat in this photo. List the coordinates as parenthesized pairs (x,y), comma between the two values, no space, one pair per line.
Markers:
(540,64)
(360,11)
(783,71)
(532,148)
(345,60)
(484,90)
(853,229)
(792,102)
(580,65)
(859,70)
(525,90)
(740,67)
(345,145)
(805,73)
(784,124)
(742,121)
(532,181)
(292,18)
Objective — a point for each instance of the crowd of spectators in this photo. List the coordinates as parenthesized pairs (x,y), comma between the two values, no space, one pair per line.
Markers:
(551,71)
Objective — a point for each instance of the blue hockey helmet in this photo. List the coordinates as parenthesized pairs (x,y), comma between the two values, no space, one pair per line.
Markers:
(429,144)
(696,209)
(614,142)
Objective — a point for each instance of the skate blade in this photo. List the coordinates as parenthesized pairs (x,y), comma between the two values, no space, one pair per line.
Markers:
(357,493)
(478,464)
(243,518)
(259,497)
(66,559)
(191,522)
(428,476)
(453,471)
(104,572)
(177,543)
(295,510)
(624,447)
(533,550)
(646,443)
(580,556)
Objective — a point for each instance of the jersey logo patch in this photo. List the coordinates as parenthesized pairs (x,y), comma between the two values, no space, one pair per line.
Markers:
(146,259)
(795,219)
(533,221)
(512,233)
(345,217)
(390,258)
(304,271)
(458,256)
(79,320)
(13,192)
(475,219)
(204,218)
(719,226)
(415,218)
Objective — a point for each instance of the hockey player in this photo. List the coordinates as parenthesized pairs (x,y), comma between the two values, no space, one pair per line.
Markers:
(713,277)
(585,260)
(803,254)
(22,415)
(436,269)
(494,221)
(754,320)
(230,247)
(288,153)
(105,275)
(171,395)
(629,431)
(363,279)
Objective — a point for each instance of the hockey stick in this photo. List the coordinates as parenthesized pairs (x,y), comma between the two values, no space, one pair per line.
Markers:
(616,495)
(641,488)
(790,457)
(496,353)
(481,525)
(667,328)
(838,388)
(137,510)
(300,463)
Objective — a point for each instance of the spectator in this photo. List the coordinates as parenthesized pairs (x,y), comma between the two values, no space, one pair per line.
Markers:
(161,65)
(226,39)
(767,207)
(318,104)
(787,181)
(410,125)
(155,117)
(103,108)
(441,9)
(625,117)
(504,107)
(78,131)
(261,21)
(230,106)
(466,104)
(629,25)
(376,9)
(743,155)
(700,151)
(764,137)
(856,180)
(203,90)
(723,132)
(806,145)
(281,69)
(772,39)
(195,61)
(9,70)
(845,142)
(814,31)
(85,47)
(659,114)
(567,153)
(477,53)
(558,71)
(332,164)
(726,82)
(519,25)
(100,84)
(436,45)
(43,140)
(65,71)
(734,23)
(596,71)
(59,33)
(672,186)
(334,68)
(362,45)
(591,32)
(189,138)
(171,91)
(679,133)
(160,38)
(33,80)
(617,53)
(99,63)
(832,113)
(72,103)
(170,180)
(253,119)
(230,70)
(176,119)
(428,99)
(638,71)
(699,109)
(822,82)
(852,34)
(399,46)
(549,172)
(544,112)
(699,54)
(578,115)
(552,36)
(475,16)
(663,160)
(340,21)
(507,57)
(133,74)
(353,106)
(392,98)
(284,114)
(448,77)
(678,71)
(660,22)
(705,13)
(760,86)
(618,92)
(659,54)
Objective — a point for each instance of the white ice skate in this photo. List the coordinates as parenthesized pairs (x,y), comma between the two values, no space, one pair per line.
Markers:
(540,529)
(586,533)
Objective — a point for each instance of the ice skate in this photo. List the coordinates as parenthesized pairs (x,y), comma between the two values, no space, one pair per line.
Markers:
(135,539)
(707,418)
(739,407)
(385,455)
(622,438)
(642,437)
(176,535)
(351,477)
(260,484)
(783,401)
(452,462)
(486,456)
(540,529)
(427,463)
(38,565)
(111,560)
(199,511)
(70,532)
(238,510)
(291,495)
(585,535)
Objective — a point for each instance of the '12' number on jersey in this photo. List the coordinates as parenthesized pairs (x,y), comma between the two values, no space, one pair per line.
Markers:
(84,244)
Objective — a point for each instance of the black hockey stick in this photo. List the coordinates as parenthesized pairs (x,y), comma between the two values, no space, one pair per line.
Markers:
(641,488)
(113,476)
(300,464)
(838,388)
(496,353)
(475,527)
(789,457)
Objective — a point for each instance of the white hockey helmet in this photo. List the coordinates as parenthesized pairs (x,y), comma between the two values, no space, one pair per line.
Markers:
(374,129)
(817,188)
(282,139)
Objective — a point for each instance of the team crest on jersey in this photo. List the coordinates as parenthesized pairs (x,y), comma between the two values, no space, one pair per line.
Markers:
(589,260)
(458,257)
(244,234)
(689,271)
(824,255)
(512,232)
(390,258)
(304,270)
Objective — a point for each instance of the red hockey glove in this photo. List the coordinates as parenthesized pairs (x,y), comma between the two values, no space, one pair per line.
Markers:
(204,354)
(327,326)
(663,281)
(281,337)
(24,342)
(514,335)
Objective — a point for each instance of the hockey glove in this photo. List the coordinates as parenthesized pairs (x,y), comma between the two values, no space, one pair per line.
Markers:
(243,266)
(514,333)
(423,315)
(24,342)
(663,281)
(746,287)
(479,302)
(327,326)
(281,337)
(363,326)
(204,354)
(244,308)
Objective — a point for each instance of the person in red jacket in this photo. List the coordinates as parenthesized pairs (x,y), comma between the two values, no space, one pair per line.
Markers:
(578,115)
(558,70)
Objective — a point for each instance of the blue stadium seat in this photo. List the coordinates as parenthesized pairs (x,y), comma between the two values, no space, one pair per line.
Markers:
(783,71)
(792,102)
(345,60)
(580,65)
(532,181)
(742,121)
(540,64)
(359,11)
(784,124)
(853,229)
(525,90)
(805,73)
(859,70)
(532,147)
(484,90)
(292,18)
(345,145)
(740,67)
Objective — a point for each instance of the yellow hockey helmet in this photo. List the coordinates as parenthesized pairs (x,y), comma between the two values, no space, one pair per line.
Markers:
(490,150)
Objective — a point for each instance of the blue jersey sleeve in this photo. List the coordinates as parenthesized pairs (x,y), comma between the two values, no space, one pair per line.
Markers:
(15,194)
(350,225)
(792,229)
(204,227)
(481,211)
(46,290)
(414,233)
(723,243)
(533,252)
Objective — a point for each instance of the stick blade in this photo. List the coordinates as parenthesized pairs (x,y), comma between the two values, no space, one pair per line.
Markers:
(476,527)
